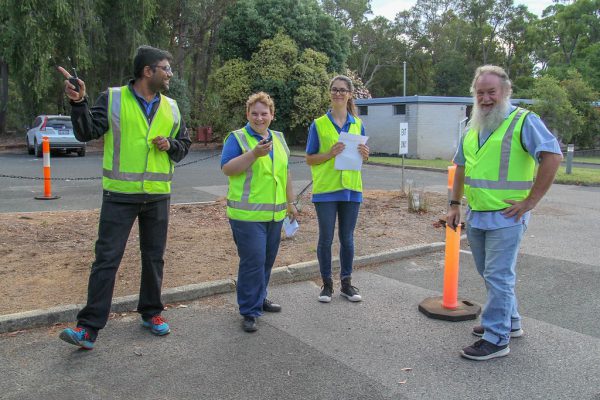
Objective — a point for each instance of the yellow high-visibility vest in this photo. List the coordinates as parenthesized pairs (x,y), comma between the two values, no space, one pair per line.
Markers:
(259,193)
(500,169)
(132,163)
(326,178)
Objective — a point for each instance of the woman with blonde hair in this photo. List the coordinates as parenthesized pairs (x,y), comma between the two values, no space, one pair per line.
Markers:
(336,193)
(259,197)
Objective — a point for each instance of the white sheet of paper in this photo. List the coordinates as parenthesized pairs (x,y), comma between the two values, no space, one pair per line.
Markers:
(290,228)
(350,158)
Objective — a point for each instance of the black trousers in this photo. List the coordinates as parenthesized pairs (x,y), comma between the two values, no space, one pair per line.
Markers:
(116,221)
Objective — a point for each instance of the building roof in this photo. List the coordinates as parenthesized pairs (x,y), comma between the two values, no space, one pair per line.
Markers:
(424,100)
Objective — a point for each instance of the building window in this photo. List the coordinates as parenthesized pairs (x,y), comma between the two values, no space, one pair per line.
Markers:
(399,109)
(363,110)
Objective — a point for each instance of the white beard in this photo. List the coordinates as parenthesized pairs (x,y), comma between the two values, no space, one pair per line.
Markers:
(489,122)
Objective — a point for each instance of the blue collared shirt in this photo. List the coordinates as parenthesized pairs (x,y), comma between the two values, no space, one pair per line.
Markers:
(312,147)
(536,138)
(232,149)
(147,105)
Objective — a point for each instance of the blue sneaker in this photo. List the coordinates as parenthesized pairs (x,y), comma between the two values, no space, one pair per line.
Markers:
(79,337)
(157,325)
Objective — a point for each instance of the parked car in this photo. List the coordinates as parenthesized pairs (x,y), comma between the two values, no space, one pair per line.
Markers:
(59,130)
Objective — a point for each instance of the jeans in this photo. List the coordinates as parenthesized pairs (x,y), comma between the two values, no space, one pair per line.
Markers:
(257,245)
(347,214)
(495,254)
(116,221)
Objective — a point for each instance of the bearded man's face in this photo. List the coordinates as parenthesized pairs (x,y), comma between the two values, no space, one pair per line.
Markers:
(491,103)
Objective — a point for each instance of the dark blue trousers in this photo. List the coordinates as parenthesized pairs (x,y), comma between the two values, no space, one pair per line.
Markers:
(116,221)
(257,244)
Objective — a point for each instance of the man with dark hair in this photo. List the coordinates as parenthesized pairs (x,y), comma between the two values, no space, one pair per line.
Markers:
(148,55)
(495,168)
(144,136)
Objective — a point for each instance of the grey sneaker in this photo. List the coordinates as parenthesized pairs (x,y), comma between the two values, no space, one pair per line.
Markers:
(483,350)
(350,292)
(514,333)
(326,291)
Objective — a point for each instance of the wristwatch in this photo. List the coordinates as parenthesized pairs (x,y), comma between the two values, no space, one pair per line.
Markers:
(454,203)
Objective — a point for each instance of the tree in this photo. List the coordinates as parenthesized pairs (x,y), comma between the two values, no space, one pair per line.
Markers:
(352,13)
(571,35)
(551,103)
(229,88)
(297,82)
(251,21)
(582,97)
(189,28)
(376,46)
(311,97)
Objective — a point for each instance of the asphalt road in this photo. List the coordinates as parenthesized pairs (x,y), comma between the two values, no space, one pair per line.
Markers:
(381,348)
(198,179)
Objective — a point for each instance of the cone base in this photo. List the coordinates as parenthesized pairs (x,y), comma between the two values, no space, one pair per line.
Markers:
(46,197)
(433,308)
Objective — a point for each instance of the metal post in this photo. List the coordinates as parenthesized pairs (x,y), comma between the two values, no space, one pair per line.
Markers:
(404,84)
(570,151)
(403,174)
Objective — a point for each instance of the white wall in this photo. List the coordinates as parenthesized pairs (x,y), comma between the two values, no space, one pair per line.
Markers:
(383,129)
(432,129)
(437,134)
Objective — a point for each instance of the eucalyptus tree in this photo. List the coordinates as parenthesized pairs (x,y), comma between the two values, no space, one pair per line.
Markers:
(571,34)
(352,13)
(377,45)
(189,29)
(519,39)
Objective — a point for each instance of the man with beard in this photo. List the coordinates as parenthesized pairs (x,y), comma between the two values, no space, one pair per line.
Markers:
(144,136)
(495,169)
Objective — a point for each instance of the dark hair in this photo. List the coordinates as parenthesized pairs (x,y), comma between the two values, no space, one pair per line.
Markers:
(350,107)
(148,56)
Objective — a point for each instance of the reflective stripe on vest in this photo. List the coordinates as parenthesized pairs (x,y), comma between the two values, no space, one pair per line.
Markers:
(514,177)
(244,204)
(327,179)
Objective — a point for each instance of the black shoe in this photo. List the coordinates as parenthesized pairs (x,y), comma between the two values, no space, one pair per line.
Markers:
(326,291)
(269,306)
(483,350)
(348,291)
(514,333)
(249,324)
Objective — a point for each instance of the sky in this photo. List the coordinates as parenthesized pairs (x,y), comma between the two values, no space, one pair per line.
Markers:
(389,8)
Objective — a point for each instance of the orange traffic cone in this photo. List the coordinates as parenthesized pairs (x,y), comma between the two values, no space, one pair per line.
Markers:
(449,307)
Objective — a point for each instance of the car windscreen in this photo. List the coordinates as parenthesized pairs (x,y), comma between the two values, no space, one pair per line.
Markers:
(59,124)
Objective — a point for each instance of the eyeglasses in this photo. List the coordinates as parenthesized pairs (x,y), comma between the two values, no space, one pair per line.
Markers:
(166,68)
(339,91)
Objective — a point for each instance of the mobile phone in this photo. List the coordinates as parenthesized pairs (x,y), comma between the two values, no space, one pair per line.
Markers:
(269,139)
(73,80)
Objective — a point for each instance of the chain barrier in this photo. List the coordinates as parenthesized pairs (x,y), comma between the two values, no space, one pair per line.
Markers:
(39,178)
